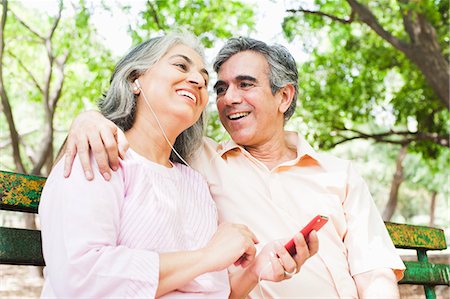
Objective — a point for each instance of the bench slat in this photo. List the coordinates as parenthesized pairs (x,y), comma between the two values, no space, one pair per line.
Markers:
(413,237)
(20,247)
(426,273)
(20,192)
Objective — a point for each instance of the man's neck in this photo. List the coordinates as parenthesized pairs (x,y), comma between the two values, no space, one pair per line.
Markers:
(273,152)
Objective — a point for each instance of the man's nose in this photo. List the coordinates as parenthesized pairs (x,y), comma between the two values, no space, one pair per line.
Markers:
(232,96)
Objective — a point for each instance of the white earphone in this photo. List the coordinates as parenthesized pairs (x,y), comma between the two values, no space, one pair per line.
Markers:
(137,85)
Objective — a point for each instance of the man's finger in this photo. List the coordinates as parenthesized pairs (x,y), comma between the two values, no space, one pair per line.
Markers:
(69,157)
(286,260)
(83,155)
(112,151)
(100,155)
(313,243)
(122,143)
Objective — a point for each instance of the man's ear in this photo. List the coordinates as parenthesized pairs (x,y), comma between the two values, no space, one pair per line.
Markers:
(287,96)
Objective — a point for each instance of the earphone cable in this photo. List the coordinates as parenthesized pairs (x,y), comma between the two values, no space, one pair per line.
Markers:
(160,126)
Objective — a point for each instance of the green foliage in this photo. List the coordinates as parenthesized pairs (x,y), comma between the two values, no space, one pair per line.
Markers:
(86,71)
(210,20)
(357,82)
(214,128)
(355,77)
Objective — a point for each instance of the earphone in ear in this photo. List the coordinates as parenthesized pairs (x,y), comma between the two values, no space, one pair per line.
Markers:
(138,85)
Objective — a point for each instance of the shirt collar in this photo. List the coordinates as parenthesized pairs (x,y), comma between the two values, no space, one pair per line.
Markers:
(304,150)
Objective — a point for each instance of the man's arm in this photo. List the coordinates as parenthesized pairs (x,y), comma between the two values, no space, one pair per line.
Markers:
(92,131)
(378,283)
(371,255)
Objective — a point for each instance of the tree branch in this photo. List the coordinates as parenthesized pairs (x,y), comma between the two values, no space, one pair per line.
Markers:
(26,26)
(55,23)
(4,96)
(408,137)
(367,17)
(155,15)
(7,142)
(27,71)
(332,17)
(60,62)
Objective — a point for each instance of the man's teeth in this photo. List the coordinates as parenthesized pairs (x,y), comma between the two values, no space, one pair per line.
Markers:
(187,94)
(238,115)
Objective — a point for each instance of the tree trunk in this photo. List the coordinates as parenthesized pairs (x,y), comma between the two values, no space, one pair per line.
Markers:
(397,180)
(4,97)
(433,207)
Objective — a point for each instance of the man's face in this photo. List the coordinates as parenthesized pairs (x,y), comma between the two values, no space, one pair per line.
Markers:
(247,108)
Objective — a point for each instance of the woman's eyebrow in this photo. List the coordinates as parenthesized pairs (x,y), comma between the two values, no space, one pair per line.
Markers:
(188,60)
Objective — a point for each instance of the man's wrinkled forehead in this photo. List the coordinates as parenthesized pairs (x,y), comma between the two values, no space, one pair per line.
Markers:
(244,64)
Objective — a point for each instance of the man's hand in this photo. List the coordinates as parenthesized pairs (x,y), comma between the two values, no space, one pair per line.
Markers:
(282,265)
(92,131)
(273,263)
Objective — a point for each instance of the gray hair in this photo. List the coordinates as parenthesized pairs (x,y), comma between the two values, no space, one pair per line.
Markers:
(282,66)
(119,102)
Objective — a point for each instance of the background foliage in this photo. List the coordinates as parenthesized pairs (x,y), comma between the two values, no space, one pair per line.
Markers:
(361,97)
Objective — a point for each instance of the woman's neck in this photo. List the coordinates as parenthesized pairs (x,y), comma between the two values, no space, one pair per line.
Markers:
(148,141)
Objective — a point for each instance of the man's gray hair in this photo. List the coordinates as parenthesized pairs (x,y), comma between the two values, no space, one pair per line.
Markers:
(282,66)
(119,103)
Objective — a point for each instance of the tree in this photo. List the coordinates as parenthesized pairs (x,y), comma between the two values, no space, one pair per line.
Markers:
(209,20)
(380,72)
(361,77)
(39,55)
(425,33)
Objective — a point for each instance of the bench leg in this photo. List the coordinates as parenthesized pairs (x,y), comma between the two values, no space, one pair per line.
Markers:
(429,290)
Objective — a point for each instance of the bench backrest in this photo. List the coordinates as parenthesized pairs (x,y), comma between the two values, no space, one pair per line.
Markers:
(21,193)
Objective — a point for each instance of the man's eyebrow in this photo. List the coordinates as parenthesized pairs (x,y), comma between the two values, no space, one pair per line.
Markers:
(203,70)
(237,78)
(246,78)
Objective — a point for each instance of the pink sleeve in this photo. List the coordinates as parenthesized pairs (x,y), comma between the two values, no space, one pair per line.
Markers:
(367,240)
(80,224)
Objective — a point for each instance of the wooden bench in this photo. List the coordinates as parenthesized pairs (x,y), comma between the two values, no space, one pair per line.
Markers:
(21,193)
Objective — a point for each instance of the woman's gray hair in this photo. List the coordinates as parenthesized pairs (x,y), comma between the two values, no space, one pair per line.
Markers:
(119,103)
(282,66)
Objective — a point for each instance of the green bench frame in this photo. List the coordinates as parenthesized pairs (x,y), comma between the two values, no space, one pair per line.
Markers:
(21,193)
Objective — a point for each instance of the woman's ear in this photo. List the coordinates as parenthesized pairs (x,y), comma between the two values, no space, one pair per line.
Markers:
(287,93)
(135,88)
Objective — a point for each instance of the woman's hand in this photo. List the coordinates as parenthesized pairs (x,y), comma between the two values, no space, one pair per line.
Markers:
(274,262)
(231,244)
(92,131)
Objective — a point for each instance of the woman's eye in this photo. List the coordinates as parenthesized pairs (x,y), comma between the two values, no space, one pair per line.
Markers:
(181,66)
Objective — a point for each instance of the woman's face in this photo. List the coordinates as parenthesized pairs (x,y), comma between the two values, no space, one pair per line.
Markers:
(176,87)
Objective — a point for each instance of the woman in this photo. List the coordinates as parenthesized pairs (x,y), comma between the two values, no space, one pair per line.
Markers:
(151,231)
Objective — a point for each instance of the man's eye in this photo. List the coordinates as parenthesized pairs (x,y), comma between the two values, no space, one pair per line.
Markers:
(245,84)
(220,90)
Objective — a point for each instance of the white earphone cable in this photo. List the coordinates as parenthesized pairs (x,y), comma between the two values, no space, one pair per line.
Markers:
(159,124)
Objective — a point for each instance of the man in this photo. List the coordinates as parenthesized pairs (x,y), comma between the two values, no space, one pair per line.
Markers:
(274,182)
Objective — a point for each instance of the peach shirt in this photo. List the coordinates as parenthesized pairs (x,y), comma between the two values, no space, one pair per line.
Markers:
(277,203)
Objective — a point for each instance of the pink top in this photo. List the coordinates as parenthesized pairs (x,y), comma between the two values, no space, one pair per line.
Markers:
(277,203)
(102,239)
